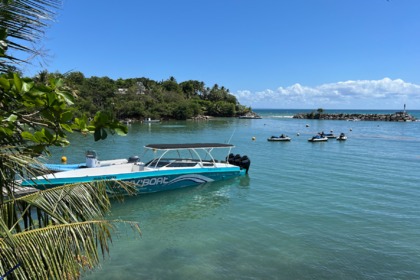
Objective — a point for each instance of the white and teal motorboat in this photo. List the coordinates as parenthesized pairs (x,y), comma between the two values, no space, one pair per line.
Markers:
(172,166)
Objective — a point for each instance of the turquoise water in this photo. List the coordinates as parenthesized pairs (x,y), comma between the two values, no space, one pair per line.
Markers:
(333,210)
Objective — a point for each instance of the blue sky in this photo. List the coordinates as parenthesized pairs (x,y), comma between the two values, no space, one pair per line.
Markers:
(331,54)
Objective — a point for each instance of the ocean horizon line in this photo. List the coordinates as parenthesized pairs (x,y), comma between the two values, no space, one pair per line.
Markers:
(352,109)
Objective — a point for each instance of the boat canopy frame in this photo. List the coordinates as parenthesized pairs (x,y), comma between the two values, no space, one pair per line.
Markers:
(191,147)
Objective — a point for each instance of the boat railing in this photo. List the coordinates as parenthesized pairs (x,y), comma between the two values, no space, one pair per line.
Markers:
(179,162)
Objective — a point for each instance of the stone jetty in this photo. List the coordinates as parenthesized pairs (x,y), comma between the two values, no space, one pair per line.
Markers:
(395,117)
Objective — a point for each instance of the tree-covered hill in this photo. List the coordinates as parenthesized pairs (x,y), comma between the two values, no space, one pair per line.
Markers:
(139,98)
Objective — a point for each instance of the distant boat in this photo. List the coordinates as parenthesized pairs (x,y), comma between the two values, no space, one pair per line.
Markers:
(279,138)
(188,165)
(318,138)
(342,137)
(328,135)
(149,120)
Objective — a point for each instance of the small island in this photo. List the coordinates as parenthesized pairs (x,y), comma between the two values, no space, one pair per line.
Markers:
(320,115)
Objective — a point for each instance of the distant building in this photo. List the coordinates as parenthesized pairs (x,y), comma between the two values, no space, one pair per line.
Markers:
(122,91)
(138,88)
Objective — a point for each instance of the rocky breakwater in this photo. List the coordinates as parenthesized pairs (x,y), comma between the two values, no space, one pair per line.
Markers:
(395,117)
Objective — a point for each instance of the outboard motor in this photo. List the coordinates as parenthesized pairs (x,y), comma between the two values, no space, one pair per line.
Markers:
(230,158)
(133,159)
(245,163)
(242,161)
(91,159)
(237,160)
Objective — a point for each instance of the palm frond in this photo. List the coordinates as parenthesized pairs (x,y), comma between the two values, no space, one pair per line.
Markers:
(60,205)
(14,162)
(23,22)
(58,252)
(26,20)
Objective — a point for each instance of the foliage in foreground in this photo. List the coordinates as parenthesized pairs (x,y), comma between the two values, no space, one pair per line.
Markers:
(54,233)
(58,233)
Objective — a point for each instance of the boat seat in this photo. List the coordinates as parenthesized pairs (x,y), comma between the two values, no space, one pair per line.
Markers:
(137,167)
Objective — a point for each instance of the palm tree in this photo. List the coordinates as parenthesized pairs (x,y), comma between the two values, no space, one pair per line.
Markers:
(57,233)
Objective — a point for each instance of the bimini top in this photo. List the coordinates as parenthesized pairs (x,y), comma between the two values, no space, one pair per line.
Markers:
(188,146)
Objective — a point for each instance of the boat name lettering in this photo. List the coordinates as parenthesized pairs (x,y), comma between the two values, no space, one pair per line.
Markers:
(152,181)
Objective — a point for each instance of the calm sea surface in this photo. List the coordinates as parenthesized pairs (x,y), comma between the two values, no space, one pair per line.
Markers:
(334,210)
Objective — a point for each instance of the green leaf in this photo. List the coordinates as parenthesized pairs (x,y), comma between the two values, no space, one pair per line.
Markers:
(5,84)
(66,116)
(80,123)
(66,127)
(68,98)
(26,87)
(100,118)
(40,136)
(120,132)
(63,142)
(18,82)
(48,114)
(28,136)
(59,83)
(48,135)
(97,135)
(100,134)
(51,97)
(12,118)
(6,131)
(104,134)
(91,128)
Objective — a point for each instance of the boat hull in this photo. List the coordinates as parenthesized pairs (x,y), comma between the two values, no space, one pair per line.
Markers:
(278,139)
(149,181)
(324,139)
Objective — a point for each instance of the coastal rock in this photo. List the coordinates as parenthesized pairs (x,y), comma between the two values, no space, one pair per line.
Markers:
(201,118)
(395,117)
(250,115)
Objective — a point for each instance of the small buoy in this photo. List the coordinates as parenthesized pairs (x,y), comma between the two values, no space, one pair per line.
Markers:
(298,134)
(307,125)
(253,138)
(63,159)
(351,129)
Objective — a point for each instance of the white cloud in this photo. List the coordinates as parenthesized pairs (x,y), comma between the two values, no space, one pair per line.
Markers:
(361,94)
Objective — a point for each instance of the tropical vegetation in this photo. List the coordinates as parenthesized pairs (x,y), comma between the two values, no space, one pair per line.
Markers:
(139,98)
